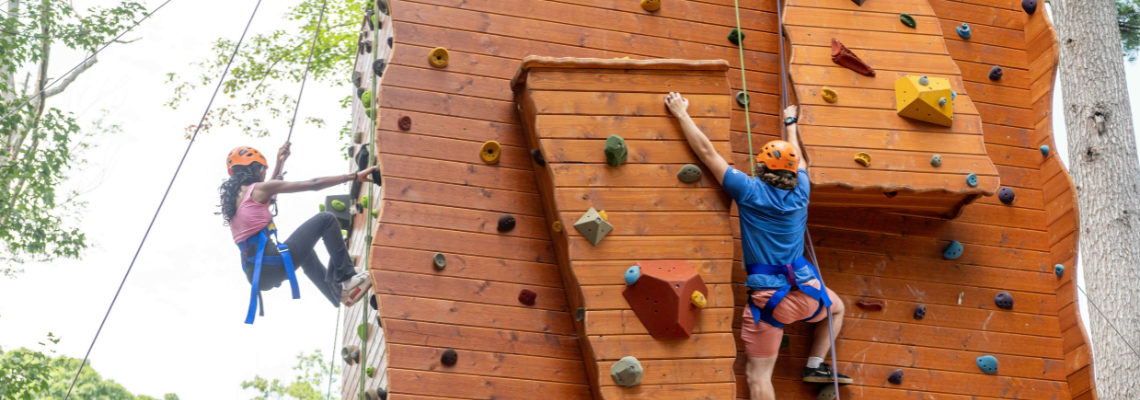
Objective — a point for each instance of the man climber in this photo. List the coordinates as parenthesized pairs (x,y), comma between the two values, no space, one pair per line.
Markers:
(773,218)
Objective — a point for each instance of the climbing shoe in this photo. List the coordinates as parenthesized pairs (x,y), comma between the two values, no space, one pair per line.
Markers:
(355,288)
(823,375)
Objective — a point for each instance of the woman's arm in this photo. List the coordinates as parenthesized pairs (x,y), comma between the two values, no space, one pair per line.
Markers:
(794,136)
(700,143)
(282,155)
(265,190)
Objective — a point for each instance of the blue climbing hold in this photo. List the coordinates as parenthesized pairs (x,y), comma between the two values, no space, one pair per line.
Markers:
(953,251)
(632,275)
(988,364)
(1045,150)
(953,95)
(964,31)
(1059,270)
(972,180)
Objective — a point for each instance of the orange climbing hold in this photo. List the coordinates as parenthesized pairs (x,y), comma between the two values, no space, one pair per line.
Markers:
(438,57)
(490,152)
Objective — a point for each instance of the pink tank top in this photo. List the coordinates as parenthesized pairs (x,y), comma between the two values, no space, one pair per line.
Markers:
(250,217)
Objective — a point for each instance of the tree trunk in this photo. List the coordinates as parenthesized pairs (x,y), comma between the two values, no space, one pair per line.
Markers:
(1106,172)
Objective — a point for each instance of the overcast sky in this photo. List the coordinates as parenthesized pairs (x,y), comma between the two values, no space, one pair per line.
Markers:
(178,326)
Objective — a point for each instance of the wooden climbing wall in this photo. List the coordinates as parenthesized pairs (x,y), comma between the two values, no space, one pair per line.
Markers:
(439,197)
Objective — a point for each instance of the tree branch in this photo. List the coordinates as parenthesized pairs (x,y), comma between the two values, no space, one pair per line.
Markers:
(67,80)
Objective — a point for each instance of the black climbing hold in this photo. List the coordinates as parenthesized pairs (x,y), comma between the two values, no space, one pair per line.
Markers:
(506,223)
(372,301)
(405,123)
(995,73)
(1004,301)
(538,158)
(735,36)
(367,45)
(389,43)
(689,173)
(896,377)
(449,357)
(376,177)
(953,251)
(908,20)
(742,99)
(527,296)
(891,195)
(1030,6)
(368,19)
(382,394)
(439,260)
(360,92)
(351,151)
(378,67)
(920,312)
(362,158)
(382,5)
(356,76)
(1005,194)
(859,2)
(580,315)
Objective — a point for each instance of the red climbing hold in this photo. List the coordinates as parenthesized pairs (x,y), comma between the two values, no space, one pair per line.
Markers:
(840,55)
(527,296)
(405,123)
(871,305)
(661,297)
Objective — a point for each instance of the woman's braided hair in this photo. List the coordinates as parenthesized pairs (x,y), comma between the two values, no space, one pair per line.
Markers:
(244,175)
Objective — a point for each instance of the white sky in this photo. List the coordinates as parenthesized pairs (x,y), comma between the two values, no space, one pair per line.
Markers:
(178,326)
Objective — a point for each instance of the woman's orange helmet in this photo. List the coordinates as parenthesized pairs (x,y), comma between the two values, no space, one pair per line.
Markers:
(779,155)
(244,155)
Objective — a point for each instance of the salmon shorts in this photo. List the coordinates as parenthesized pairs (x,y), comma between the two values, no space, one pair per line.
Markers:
(763,340)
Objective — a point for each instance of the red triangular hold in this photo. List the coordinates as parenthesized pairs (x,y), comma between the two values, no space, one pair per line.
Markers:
(840,55)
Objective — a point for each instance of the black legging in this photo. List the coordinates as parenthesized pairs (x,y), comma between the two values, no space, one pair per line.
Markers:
(301,243)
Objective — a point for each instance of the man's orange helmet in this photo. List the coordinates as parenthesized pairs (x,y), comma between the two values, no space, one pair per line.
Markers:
(779,155)
(244,155)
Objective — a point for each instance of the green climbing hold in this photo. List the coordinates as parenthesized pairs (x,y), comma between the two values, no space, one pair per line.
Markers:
(626,372)
(362,331)
(370,112)
(439,260)
(338,205)
(593,226)
(370,371)
(375,20)
(689,173)
(343,233)
(366,99)
(785,342)
(375,213)
(907,20)
(321,206)
(364,201)
(736,36)
(616,150)
(936,160)
(953,251)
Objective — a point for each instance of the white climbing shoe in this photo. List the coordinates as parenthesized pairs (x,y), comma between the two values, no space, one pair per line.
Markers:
(355,289)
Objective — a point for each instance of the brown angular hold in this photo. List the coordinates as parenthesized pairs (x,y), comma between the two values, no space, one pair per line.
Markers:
(840,55)
(527,296)
(661,297)
(871,305)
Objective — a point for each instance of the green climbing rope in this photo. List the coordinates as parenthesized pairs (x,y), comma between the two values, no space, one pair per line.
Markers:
(744,86)
(332,355)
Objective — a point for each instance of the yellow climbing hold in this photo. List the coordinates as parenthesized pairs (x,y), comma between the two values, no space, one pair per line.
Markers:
(863,159)
(651,5)
(490,152)
(557,226)
(830,95)
(438,57)
(698,299)
(921,101)
(604,216)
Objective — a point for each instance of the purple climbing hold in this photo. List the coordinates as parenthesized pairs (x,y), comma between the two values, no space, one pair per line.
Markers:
(527,296)
(996,73)
(1004,301)
(1006,196)
(1030,6)
(449,357)
(896,377)
(536,154)
(920,312)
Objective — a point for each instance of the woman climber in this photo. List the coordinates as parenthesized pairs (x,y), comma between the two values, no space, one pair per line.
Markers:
(246,197)
(783,286)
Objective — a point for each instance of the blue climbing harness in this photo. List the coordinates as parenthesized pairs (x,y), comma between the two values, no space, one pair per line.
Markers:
(789,272)
(260,259)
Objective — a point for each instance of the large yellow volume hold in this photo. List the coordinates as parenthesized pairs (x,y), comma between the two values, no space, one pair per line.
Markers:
(920,97)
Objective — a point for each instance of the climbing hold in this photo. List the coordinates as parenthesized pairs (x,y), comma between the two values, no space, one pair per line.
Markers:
(362,332)
(936,160)
(338,205)
(842,56)
(907,20)
(405,123)
(557,226)
(593,227)
(871,305)
(953,95)
(920,312)
(972,180)
(964,31)
(376,176)
(827,392)
(536,155)
(344,233)
(506,223)
(1030,6)
(382,5)
(859,2)
(369,394)
(896,377)
(890,195)
(1059,270)
(372,301)
(953,251)
(735,36)
(651,5)
(321,206)
(390,42)
(632,274)
(438,57)
(785,342)
(1004,301)
(830,95)
(988,364)
(449,357)
(527,296)
(580,314)
(863,159)
(603,215)
(698,299)
(357,137)
(356,77)
(368,18)
(350,354)
(995,73)
(364,201)
(365,47)
(662,296)
(616,151)
(370,112)
(379,66)
(689,173)
(626,372)
(742,99)
(1005,194)
(1045,150)
(439,260)
(359,92)
(375,213)
(942,102)
(918,97)
(490,152)
(370,372)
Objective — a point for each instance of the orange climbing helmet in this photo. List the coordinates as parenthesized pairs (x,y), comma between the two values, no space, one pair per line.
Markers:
(244,155)
(779,155)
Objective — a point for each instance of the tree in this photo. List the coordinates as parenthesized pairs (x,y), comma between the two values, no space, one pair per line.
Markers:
(1128,22)
(40,144)
(268,60)
(33,375)
(1106,173)
(305,386)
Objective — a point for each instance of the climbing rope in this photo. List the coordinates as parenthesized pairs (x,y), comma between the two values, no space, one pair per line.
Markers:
(332,355)
(1122,338)
(164,195)
(305,77)
(744,82)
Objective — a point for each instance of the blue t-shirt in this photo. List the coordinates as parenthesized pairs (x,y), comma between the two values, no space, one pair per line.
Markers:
(772,224)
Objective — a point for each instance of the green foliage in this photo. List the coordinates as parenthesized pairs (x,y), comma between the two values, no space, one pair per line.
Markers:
(33,375)
(1128,20)
(270,60)
(307,385)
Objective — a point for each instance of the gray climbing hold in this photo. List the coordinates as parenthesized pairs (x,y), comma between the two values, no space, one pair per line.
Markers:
(449,357)
(953,251)
(379,66)
(506,223)
(964,31)
(580,314)
(1059,270)
(942,102)
(616,150)
(988,364)
(356,77)
(440,261)
(936,160)
(632,275)
(924,81)
(1006,195)
(827,392)
(538,158)
(920,312)
(896,377)
(996,73)
(626,372)
(735,36)
(972,180)
(1045,150)
(742,99)
(382,5)
(593,226)
(1004,301)
(689,173)
(375,394)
